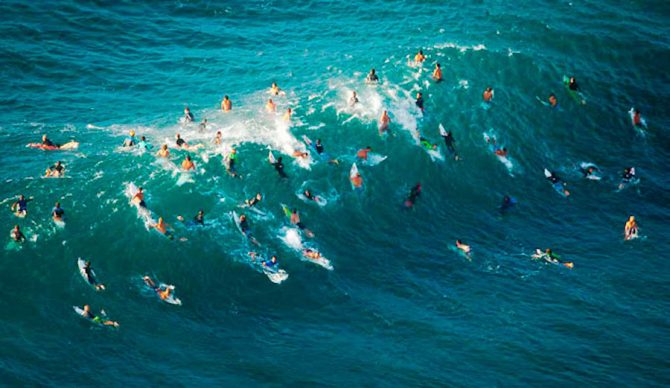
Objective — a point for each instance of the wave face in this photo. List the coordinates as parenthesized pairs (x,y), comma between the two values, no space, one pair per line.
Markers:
(394,303)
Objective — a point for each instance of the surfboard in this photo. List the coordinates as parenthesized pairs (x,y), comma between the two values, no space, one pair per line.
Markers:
(90,281)
(271,158)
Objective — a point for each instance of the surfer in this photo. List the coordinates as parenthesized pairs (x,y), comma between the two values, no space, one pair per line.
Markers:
(179,141)
(354,99)
(553,102)
(627,176)
(48,143)
(161,226)
(419,101)
(502,152)
(295,220)
(572,84)
(203,125)
(88,272)
(271,106)
(86,313)
(372,77)
(488,94)
(17,235)
(20,207)
(463,247)
(384,122)
(630,229)
(274,89)
(163,152)
(551,257)
(555,180)
(188,116)
(57,212)
(311,254)
(426,144)
(138,198)
(288,114)
(217,138)
(254,200)
(356,180)
(144,144)
(230,162)
(244,227)
(187,164)
(130,140)
(450,143)
(363,153)
(279,166)
(413,195)
(57,170)
(419,57)
(308,194)
(163,292)
(199,218)
(270,264)
(507,203)
(300,154)
(437,73)
(588,171)
(637,119)
(226,104)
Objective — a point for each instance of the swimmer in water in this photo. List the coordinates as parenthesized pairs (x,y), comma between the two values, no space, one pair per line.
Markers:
(384,122)
(354,99)
(20,207)
(254,200)
(163,152)
(274,89)
(463,247)
(188,116)
(57,212)
(130,140)
(144,144)
(363,153)
(414,193)
(437,73)
(553,102)
(179,141)
(163,292)
(419,57)
(17,235)
(226,104)
(203,125)
(57,170)
(507,203)
(630,229)
(244,227)
(187,164)
(138,198)
(86,313)
(419,101)
(217,139)
(488,94)
(271,106)
(230,161)
(372,77)
(288,114)
(199,218)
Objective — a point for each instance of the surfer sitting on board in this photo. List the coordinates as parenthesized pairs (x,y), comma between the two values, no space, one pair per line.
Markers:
(288,114)
(188,116)
(507,203)
(57,212)
(630,230)
(589,171)
(163,152)
(274,89)
(553,101)
(48,143)
(17,235)
(295,220)
(572,84)
(627,176)
(20,207)
(144,144)
(419,57)
(130,140)
(57,170)
(271,106)
(226,104)
(356,180)
(161,226)
(637,119)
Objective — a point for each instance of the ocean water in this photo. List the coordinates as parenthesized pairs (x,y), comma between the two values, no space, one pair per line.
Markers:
(400,307)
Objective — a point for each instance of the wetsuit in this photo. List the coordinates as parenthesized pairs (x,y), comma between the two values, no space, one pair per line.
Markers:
(507,203)
(244,226)
(553,178)
(573,86)
(199,219)
(57,167)
(372,78)
(231,162)
(309,195)
(279,166)
(419,103)
(58,212)
(449,141)
(188,117)
(253,201)
(89,275)
(22,205)
(49,143)
(180,142)
(319,148)
(426,144)
(144,144)
(130,141)
(627,175)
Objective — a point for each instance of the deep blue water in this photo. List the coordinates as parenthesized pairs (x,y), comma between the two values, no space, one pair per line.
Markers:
(401,306)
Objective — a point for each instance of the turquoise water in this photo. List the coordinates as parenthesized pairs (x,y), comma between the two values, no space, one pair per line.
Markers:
(400,306)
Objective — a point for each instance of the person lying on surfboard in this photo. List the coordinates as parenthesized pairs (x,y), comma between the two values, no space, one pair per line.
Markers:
(86,313)
(17,235)
(163,293)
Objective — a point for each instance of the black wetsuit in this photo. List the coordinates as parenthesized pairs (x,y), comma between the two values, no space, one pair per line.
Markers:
(18,236)
(253,201)
(627,175)
(189,117)
(199,219)
(57,167)
(48,143)
(180,142)
(449,141)
(573,86)
(372,78)
(414,194)
(279,166)
(319,148)
(553,178)
(419,103)
(58,212)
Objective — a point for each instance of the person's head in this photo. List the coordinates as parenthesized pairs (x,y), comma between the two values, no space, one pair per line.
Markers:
(164,147)
(294,211)
(160,220)
(631,218)
(44,137)
(204,121)
(259,196)
(385,113)
(21,197)
(274,85)
(201,212)
(318,141)
(87,308)
(58,163)
(420,52)
(289,110)
(132,132)
(141,189)
(548,251)
(368,148)
(506,199)
(178,136)
(637,112)
(16,228)
(270,101)
(572,80)
(372,71)
(418,95)
(437,65)
(591,169)
(354,93)
(225,98)
(626,170)
(186,110)
(233,151)
(218,133)
(504,149)
(280,159)
(489,89)
(449,132)
(57,204)
(458,242)
(273,259)
(418,186)
(307,193)
(188,157)
(552,97)
(243,217)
